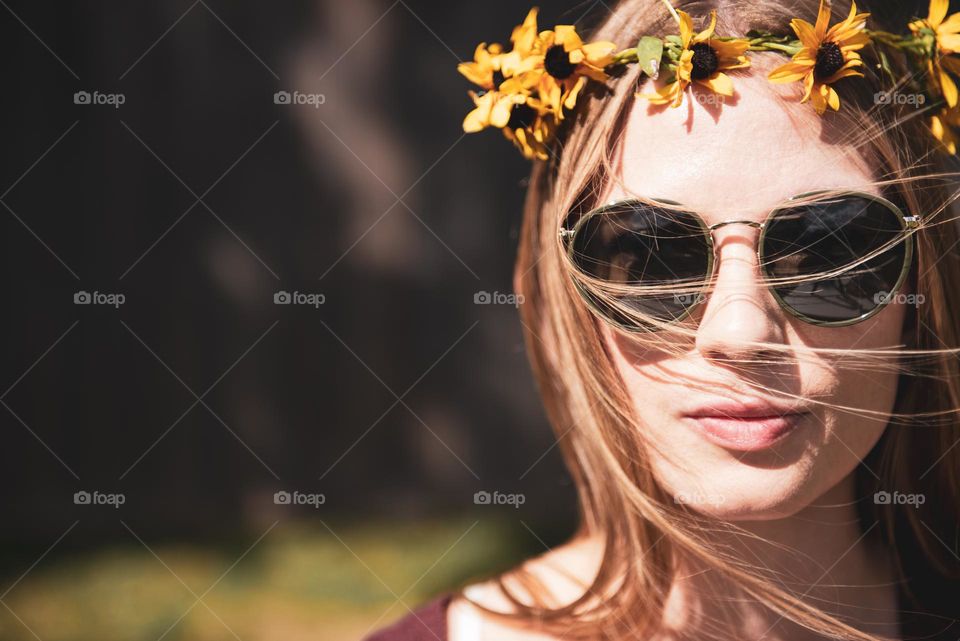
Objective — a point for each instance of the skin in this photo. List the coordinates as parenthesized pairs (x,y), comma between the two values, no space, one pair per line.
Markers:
(738,161)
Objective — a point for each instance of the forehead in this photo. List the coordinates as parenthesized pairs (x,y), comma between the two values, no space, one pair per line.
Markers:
(742,159)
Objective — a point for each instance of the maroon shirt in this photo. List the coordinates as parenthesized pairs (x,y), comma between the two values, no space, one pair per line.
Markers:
(426,623)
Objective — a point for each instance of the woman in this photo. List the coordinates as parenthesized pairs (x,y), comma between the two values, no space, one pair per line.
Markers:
(742,314)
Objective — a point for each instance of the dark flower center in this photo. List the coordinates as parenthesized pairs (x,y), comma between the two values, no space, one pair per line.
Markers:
(705,61)
(522,116)
(829,60)
(498,79)
(557,63)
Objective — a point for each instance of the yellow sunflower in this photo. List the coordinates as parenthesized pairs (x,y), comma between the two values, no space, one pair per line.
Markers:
(493,106)
(531,128)
(702,60)
(556,63)
(491,109)
(946,31)
(827,56)
(945,36)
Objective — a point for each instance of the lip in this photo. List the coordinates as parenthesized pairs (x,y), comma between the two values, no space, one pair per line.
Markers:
(746,426)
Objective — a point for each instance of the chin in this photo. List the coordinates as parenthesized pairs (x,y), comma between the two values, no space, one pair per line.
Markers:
(745,493)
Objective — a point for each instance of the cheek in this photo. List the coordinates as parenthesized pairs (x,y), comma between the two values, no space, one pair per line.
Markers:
(856,392)
(866,383)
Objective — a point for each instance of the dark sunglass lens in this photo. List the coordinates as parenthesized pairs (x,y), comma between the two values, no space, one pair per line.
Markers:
(634,243)
(833,235)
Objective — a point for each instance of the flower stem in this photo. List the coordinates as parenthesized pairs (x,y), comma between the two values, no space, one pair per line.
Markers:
(673,12)
(775,46)
(627,56)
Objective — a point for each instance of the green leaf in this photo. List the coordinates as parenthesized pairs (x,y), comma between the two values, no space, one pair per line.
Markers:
(649,52)
(885,65)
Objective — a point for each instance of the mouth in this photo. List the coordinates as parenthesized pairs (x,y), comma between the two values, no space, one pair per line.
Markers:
(746,428)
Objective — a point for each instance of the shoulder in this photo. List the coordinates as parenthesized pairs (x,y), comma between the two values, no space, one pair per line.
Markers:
(565,572)
(426,623)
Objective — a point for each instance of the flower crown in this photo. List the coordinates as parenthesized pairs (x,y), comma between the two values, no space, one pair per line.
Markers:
(528,91)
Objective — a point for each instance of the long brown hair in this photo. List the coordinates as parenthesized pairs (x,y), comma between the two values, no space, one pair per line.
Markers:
(644,531)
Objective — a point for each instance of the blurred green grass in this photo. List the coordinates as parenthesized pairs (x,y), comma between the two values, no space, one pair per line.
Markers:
(302,581)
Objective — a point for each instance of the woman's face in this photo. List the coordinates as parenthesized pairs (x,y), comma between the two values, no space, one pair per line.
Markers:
(739,164)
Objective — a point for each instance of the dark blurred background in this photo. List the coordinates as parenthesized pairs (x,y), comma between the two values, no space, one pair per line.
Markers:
(152,168)
(163,196)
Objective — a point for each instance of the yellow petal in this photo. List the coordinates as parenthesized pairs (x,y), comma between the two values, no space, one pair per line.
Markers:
(592,72)
(844,73)
(567,36)
(806,32)
(553,99)
(950,25)
(936,127)
(789,72)
(949,88)
(472,72)
(730,48)
(949,43)
(707,33)
(719,83)
(686,28)
(823,19)
(500,114)
(598,53)
(571,100)
(479,118)
(833,98)
(808,86)
(666,94)
(938,10)
(856,41)
(819,102)
(524,36)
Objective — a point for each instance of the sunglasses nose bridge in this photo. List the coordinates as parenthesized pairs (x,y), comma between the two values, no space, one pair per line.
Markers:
(751,223)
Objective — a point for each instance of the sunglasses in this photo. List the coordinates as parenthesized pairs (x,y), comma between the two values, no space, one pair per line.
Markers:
(831,261)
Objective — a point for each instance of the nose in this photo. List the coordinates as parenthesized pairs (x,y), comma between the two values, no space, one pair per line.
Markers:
(740,310)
